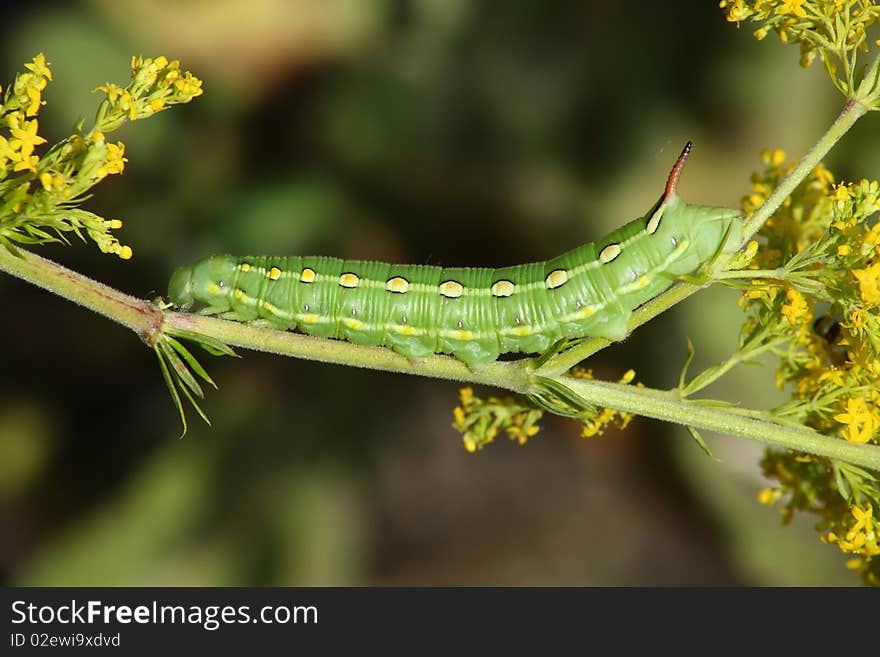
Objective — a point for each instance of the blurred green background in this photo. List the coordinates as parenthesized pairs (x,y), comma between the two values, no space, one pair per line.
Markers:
(448,132)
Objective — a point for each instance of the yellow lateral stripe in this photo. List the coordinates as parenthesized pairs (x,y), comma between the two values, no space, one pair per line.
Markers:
(459,334)
(421,287)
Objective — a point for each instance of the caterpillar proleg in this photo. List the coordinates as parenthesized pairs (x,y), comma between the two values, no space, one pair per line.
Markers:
(476,314)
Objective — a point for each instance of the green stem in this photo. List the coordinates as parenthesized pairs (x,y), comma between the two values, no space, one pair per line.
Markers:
(140,316)
(774,274)
(149,321)
(512,375)
(690,413)
(852,112)
(707,377)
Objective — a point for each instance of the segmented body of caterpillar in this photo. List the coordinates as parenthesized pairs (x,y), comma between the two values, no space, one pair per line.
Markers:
(475,314)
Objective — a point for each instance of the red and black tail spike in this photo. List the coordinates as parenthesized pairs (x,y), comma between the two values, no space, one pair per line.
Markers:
(672,181)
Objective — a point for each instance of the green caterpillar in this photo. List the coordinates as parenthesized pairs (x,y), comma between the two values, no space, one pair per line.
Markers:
(476,314)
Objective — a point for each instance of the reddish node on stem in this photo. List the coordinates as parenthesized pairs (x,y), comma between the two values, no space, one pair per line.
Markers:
(672,181)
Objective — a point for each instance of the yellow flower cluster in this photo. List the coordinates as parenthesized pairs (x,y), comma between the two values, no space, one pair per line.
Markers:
(480,420)
(862,536)
(861,539)
(862,419)
(21,102)
(39,192)
(156,84)
(822,309)
(596,424)
(833,30)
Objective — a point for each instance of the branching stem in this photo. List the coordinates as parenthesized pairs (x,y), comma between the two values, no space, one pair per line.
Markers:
(148,320)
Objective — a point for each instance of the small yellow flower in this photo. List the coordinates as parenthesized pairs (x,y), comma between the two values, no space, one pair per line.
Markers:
(26,138)
(844,250)
(190,86)
(737,11)
(792,7)
(6,151)
(869,283)
(768,496)
(112,91)
(861,420)
(28,163)
(115,161)
(34,95)
(834,376)
(52,181)
(796,308)
(861,538)
(841,193)
(40,66)
(458,416)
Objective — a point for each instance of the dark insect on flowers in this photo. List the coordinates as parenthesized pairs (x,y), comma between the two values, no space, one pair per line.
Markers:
(474,313)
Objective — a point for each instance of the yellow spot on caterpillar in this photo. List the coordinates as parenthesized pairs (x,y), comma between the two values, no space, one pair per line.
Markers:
(461,335)
(349,280)
(397,284)
(309,319)
(405,330)
(609,253)
(244,266)
(451,289)
(654,221)
(274,273)
(556,278)
(213,289)
(502,289)
(268,306)
(643,282)
(522,331)
(588,311)
(239,294)
(353,324)
(307,275)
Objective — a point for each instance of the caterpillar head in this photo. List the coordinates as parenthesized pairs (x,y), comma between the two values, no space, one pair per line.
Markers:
(206,282)
(180,290)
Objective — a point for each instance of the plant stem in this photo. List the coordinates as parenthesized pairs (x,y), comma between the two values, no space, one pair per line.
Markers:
(149,321)
(140,316)
(691,413)
(772,274)
(512,375)
(851,113)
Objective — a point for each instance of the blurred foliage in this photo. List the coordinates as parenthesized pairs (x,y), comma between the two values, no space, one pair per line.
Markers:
(441,131)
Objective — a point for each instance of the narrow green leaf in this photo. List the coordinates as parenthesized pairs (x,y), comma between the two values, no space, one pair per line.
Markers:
(842,482)
(213,346)
(194,364)
(183,374)
(687,363)
(10,247)
(196,406)
(169,381)
(698,438)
